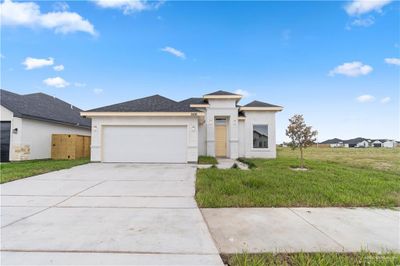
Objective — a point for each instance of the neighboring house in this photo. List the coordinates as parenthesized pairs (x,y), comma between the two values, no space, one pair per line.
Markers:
(361,143)
(28,122)
(333,143)
(388,143)
(158,129)
(357,143)
(377,143)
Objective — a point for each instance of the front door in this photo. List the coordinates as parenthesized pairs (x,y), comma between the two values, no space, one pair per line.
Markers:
(220,137)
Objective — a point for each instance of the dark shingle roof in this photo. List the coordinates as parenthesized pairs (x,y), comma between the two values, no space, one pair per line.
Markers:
(354,141)
(331,141)
(155,103)
(220,92)
(190,101)
(44,107)
(260,104)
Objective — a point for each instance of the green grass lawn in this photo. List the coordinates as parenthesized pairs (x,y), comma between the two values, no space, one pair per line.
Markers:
(330,181)
(17,170)
(207,160)
(313,259)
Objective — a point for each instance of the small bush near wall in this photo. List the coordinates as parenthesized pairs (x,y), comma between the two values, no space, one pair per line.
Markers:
(207,160)
(249,163)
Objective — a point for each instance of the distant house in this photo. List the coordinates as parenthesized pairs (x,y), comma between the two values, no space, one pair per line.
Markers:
(28,122)
(389,144)
(333,143)
(377,143)
(357,143)
(360,143)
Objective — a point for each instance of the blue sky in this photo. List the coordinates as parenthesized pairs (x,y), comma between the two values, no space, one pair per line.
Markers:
(338,63)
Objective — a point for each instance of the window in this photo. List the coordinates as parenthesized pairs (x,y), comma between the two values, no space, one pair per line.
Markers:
(220,121)
(260,136)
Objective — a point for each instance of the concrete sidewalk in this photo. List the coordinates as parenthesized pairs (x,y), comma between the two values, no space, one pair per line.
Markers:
(105,214)
(304,229)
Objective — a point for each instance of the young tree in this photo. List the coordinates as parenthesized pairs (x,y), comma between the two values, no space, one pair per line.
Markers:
(301,135)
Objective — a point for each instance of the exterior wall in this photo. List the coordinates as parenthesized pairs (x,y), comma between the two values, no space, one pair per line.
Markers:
(389,144)
(223,108)
(191,124)
(242,142)
(259,118)
(34,138)
(5,114)
(363,144)
(202,145)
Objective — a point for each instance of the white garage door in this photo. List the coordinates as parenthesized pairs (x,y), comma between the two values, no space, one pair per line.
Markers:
(145,144)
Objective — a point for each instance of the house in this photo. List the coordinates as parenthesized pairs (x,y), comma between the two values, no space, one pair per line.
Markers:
(389,143)
(28,122)
(357,143)
(333,143)
(157,129)
(361,143)
(377,143)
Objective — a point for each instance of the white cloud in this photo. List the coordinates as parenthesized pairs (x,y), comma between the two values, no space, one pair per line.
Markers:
(393,61)
(97,91)
(174,51)
(365,98)
(363,22)
(79,84)
(32,63)
(244,93)
(56,82)
(58,68)
(385,100)
(352,69)
(359,7)
(129,6)
(60,6)
(28,14)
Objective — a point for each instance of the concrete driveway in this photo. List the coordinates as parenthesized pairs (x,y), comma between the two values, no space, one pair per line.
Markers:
(106,214)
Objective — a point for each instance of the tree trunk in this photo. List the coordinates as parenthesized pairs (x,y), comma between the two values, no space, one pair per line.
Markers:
(301,158)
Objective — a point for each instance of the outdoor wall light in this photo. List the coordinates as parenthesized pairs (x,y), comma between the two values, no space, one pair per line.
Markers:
(15,131)
(193,128)
(95,128)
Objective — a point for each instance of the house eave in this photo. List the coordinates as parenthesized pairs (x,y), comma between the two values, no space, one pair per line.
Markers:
(127,114)
(276,109)
(199,105)
(222,97)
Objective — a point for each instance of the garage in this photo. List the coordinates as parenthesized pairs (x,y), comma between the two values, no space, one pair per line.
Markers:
(144,144)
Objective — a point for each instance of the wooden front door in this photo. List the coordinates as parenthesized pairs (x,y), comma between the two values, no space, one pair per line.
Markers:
(220,140)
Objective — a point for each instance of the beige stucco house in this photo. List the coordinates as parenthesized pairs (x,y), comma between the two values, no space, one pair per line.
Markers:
(28,122)
(157,129)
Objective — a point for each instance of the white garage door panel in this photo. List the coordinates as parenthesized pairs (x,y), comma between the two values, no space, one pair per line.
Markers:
(146,144)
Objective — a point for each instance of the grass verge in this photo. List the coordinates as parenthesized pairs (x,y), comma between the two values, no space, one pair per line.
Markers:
(17,170)
(313,259)
(273,184)
(207,160)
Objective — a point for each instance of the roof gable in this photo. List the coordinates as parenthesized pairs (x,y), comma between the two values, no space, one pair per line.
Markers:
(220,92)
